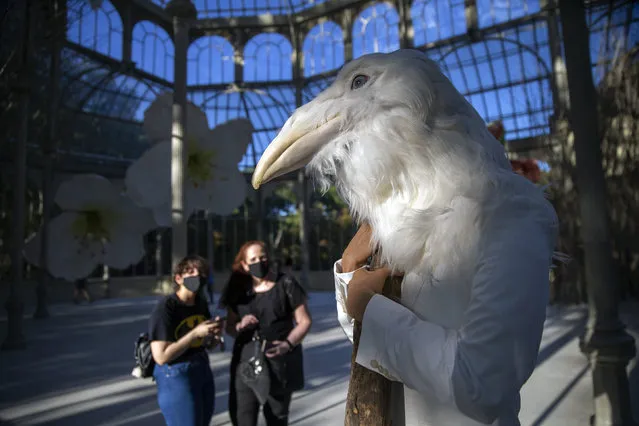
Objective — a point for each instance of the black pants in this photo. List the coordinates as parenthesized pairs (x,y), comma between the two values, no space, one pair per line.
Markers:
(244,406)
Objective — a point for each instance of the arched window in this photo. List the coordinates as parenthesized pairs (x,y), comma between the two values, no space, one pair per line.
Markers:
(267,57)
(613,31)
(99,29)
(492,12)
(323,49)
(435,20)
(376,29)
(210,61)
(152,50)
(504,80)
(268,110)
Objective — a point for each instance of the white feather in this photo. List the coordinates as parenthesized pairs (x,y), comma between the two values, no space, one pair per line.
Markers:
(414,159)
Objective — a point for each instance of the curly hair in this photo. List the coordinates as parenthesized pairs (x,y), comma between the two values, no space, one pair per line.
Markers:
(190,263)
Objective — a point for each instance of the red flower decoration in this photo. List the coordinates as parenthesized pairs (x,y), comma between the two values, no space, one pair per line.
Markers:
(528,168)
(496,128)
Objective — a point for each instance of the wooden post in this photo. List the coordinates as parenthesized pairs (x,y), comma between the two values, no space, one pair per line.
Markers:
(369,393)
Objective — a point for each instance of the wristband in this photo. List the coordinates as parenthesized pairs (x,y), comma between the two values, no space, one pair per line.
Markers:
(290,345)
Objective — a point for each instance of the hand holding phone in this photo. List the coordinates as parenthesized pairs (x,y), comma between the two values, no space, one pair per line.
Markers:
(221,320)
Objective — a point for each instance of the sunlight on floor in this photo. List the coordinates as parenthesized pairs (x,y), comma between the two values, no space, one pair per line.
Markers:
(89,383)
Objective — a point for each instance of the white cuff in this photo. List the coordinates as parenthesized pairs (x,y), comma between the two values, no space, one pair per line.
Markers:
(402,347)
(341,291)
(371,352)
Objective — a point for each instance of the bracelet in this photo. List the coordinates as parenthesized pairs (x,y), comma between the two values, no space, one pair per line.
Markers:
(290,345)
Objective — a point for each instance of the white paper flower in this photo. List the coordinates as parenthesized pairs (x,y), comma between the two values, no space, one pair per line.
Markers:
(158,119)
(98,225)
(212,179)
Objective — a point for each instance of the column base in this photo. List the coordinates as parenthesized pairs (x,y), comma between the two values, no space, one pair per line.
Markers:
(609,352)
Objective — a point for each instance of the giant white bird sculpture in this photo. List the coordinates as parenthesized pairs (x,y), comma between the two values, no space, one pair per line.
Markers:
(474,240)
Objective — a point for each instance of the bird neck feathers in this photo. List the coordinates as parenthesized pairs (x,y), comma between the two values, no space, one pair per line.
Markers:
(419,224)
(423,198)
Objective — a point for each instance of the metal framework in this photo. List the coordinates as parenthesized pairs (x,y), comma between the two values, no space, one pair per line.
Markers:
(262,59)
(242,61)
(514,61)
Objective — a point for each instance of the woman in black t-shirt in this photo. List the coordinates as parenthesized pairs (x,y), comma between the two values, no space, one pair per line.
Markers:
(274,305)
(180,330)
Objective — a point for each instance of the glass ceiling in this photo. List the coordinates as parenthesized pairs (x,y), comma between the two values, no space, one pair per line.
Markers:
(234,8)
(506,74)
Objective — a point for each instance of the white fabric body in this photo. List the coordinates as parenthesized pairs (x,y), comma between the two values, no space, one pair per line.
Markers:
(465,338)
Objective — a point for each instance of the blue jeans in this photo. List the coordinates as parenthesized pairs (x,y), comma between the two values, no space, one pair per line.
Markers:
(186,392)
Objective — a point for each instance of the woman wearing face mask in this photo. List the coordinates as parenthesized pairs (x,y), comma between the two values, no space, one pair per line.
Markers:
(180,330)
(271,307)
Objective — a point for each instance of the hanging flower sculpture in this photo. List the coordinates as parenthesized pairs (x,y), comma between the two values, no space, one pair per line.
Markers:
(98,225)
(527,167)
(213,180)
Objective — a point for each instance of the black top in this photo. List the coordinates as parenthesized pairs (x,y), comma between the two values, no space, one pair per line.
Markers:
(171,319)
(273,308)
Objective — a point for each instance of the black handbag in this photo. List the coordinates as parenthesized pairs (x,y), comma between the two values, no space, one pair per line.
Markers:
(253,369)
(287,370)
(144,362)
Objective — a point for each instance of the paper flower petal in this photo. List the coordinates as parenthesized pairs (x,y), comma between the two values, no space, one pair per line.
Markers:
(233,138)
(148,180)
(158,120)
(124,250)
(82,191)
(131,218)
(220,196)
(212,179)
(68,257)
(162,215)
(104,226)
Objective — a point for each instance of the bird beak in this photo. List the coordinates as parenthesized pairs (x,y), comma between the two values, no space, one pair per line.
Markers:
(304,134)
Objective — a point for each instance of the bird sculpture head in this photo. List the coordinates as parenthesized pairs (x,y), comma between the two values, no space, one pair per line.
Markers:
(397,140)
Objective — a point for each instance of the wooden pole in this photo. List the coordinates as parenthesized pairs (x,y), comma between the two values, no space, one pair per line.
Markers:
(368,402)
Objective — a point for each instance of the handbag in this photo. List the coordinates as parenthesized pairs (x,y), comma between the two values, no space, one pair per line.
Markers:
(144,362)
(288,370)
(253,369)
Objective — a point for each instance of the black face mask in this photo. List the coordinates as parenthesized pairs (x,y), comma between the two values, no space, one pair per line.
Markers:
(193,284)
(259,269)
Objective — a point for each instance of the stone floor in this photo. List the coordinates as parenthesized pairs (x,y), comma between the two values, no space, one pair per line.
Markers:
(76,368)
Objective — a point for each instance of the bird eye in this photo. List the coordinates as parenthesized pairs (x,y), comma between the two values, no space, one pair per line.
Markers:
(359,81)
